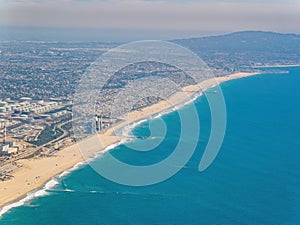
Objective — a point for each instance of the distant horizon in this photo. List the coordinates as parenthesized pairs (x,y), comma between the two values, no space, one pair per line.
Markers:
(107,35)
(132,20)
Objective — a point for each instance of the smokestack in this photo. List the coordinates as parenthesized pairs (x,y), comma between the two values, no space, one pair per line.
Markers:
(4,135)
(99,123)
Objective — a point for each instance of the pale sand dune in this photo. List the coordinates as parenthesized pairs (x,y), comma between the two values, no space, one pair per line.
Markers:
(36,172)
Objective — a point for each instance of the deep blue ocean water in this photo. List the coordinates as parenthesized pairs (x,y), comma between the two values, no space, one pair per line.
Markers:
(255,178)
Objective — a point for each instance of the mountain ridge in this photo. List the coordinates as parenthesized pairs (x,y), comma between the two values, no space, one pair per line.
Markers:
(243,50)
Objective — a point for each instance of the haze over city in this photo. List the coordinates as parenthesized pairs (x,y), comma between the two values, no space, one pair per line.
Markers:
(119,20)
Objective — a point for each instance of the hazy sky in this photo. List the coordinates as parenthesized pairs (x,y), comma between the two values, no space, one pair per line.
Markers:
(154,18)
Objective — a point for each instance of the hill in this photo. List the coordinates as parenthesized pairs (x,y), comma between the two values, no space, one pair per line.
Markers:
(241,51)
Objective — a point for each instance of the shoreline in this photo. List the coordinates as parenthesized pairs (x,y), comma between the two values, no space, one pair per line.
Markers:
(36,173)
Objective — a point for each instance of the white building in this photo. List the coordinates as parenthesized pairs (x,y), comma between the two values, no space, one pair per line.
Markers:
(8,149)
(4,149)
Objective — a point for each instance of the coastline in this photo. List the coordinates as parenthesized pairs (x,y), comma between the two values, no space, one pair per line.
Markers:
(277,66)
(37,172)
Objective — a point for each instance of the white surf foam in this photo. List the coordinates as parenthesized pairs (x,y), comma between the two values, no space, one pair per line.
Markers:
(126,131)
(38,193)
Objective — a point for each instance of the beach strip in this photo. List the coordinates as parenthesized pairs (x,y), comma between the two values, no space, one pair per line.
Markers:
(35,172)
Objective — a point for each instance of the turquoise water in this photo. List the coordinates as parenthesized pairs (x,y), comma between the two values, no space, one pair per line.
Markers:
(255,179)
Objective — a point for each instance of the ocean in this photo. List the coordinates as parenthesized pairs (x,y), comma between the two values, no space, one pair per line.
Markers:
(255,179)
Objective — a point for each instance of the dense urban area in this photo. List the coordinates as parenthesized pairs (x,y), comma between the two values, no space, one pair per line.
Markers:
(38,81)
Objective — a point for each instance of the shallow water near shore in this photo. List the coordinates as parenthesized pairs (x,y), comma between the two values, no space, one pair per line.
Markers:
(254,179)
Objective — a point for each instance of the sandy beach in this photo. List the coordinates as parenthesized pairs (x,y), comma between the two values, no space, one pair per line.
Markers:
(35,172)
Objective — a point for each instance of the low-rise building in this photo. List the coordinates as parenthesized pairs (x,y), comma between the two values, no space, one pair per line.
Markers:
(9,148)
(4,149)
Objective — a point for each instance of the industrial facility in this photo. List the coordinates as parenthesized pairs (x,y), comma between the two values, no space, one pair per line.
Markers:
(26,117)
(8,146)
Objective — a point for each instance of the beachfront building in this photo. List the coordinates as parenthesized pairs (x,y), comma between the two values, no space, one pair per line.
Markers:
(9,148)
(4,149)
